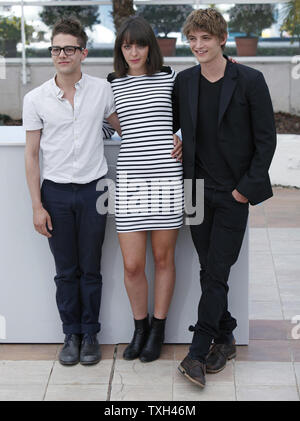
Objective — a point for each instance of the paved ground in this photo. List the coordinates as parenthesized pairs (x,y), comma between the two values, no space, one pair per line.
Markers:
(267,369)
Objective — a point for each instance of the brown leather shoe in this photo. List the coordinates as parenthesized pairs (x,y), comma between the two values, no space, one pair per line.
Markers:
(193,370)
(218,356)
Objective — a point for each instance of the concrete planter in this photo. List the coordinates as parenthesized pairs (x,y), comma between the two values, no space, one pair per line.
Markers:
(285,167)
(27,267)
(246,47)
(167,46)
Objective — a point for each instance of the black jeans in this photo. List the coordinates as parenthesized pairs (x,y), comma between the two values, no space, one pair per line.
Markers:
(76,243)
(218,241)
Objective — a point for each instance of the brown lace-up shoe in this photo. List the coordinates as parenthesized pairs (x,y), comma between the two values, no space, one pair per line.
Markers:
(218,356)
(193,370)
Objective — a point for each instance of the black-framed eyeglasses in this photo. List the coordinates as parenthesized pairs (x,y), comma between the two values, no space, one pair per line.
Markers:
(69,50)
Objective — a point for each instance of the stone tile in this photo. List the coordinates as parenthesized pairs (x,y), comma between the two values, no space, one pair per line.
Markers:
(286,246)
(295,349)
(297,372)
(267,310)
(257,216)
(120,350)
(87,392)
(259,240)
(107,351)
(291,309)
(283,235)
(289,290)
(211,392)
(264,373)
(261,269)
(267,393)
(263,292)
(258,221)
(134,373)
(224,376)
(25,372)
(286,220)
(264,351)
(146,392)
(32,352)
(180,351)
(81,375)
(22,392)
(287,277)
(287,266)
(257,210)
(269,329)
(167,352)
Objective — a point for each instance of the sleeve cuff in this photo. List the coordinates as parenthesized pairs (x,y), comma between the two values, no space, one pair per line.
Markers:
(32,126)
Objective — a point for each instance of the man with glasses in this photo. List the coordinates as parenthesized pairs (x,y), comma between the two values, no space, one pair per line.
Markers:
(63,119)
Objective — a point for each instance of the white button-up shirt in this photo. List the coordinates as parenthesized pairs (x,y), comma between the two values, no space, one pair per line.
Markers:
(71,138)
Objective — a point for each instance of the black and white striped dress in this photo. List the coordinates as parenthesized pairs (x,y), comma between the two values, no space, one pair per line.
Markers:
(149,184)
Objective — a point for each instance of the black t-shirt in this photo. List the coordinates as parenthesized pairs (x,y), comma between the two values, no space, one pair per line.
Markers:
(210,163)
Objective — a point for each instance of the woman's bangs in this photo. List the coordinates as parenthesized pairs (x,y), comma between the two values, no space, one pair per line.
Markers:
(135,36)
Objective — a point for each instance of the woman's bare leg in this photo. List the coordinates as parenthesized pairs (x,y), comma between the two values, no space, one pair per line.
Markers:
(163,246)
(133,247)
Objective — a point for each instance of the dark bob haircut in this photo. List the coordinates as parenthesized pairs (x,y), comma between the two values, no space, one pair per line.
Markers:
(136,30)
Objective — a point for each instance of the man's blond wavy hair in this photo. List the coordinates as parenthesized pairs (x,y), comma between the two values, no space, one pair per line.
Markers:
(207,20)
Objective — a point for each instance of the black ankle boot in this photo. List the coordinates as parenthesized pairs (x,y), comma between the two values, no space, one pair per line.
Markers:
(90,350)
(140,336)
(69,355)
(152,348)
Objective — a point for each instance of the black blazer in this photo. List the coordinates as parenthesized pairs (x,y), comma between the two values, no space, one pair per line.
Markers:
(246,127)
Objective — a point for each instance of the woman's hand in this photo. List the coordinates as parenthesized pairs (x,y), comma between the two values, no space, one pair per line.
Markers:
(177,151)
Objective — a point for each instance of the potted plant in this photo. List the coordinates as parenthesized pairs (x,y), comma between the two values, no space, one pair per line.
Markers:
(165,19)
(10,35)
(291,22)
(250,19)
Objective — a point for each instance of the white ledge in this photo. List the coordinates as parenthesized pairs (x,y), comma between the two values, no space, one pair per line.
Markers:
(15,136)
(167,60)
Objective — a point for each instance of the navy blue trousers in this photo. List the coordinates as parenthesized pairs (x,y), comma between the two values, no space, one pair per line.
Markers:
(218,241)
(76,243)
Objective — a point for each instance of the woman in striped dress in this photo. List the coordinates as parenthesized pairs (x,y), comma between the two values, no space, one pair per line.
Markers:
(149,185)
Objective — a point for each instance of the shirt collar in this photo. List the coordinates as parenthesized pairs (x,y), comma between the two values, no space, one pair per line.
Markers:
(59,92)
(80,83)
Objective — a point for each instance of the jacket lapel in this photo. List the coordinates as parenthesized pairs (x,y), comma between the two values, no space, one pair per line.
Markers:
(229,84)
(194,94)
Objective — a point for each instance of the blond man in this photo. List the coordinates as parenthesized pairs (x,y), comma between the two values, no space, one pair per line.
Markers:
(225,113)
